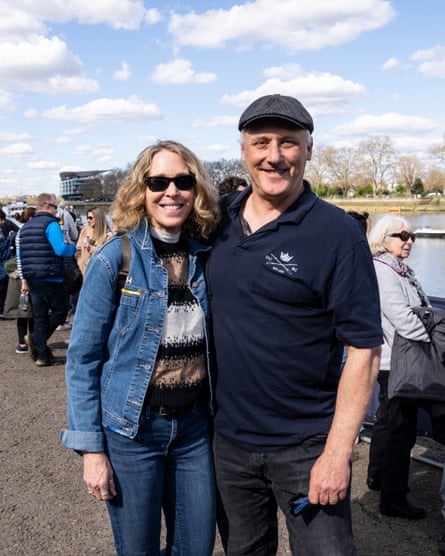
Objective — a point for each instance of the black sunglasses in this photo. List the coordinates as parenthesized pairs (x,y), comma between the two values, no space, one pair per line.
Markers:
(55,207)
(90,217)
(161,183)
(404,235)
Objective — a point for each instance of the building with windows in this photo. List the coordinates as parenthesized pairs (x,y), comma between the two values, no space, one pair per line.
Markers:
(82,186)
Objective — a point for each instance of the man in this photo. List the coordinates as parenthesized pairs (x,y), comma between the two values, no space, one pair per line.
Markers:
(40,259)
(292,283)
(68,225)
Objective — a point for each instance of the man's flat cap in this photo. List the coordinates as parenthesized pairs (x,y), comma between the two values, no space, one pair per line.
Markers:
(279,107)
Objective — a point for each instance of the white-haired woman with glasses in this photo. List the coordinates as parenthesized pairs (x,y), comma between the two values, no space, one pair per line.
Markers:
(138,382)
(394,433)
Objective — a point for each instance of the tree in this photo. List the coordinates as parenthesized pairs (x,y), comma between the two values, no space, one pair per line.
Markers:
(417,188)
(438,152)
(317,169)
(342,164)
(408,169)
(377,159)
(221,169)
(400,190)
(435,181)
(111,181)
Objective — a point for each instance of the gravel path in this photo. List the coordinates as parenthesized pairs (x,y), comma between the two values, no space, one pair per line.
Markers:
(45,509)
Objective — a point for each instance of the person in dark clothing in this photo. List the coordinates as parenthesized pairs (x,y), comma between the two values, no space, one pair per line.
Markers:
(7,228)
(292,282)
(40,262)
(232,183)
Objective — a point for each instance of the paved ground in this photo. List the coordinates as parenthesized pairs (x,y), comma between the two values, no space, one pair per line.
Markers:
(44,508)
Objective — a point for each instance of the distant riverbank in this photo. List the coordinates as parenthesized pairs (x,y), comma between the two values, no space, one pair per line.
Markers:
(371,205)
(396,204)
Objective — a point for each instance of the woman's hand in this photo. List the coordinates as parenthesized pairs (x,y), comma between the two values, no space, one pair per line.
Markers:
(98,476)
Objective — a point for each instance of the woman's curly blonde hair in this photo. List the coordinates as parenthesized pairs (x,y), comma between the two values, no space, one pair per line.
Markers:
(128,208)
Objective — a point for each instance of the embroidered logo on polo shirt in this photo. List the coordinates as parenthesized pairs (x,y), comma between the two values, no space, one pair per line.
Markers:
(282,263)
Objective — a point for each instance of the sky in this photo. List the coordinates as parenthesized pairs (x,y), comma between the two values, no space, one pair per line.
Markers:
(87,85)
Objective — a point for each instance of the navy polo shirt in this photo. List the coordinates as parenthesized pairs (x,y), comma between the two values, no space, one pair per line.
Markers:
(284,302)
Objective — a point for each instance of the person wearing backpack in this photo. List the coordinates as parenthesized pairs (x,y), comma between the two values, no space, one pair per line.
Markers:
(138,380)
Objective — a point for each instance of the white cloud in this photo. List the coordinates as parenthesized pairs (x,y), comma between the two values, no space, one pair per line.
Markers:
(41,165)
(62,140)
(13,137)
(321,93)
(390,64)
(76,130)
(386,124)
(7,101)
(124,73)
(16,149)
(180,72)
(83,149)
(30,113)
(284,23)
(427,53)
(17,22)
(432,61)
(42,65)
(102,153)
(107,110)
(434,68)
(118,14)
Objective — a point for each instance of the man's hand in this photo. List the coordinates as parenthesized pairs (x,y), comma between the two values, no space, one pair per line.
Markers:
(329,480)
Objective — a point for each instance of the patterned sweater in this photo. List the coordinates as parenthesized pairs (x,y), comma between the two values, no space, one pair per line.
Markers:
(180,375)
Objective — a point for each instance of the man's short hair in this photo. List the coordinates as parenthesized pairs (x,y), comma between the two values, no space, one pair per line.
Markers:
(45,198)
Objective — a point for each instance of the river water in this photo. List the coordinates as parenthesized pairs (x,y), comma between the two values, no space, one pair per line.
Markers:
(427,257)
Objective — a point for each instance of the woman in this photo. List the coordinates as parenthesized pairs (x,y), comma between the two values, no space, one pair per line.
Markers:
(92,236)
(137,376)
(394,433)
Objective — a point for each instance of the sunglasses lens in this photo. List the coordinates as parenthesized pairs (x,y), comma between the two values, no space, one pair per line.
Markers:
(160,183)
(404,235)
(157,184)
(184,183)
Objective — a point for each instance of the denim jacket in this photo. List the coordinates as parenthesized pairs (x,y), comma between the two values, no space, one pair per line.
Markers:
(112,353)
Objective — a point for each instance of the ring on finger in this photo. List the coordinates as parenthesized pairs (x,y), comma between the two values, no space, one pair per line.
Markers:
(106,493)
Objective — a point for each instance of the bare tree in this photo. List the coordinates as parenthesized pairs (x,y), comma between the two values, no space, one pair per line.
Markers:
(317,169)
(408,167)
(377,158)
(343,164)
(438,152)
(111,182)
(435,181)
(221,169)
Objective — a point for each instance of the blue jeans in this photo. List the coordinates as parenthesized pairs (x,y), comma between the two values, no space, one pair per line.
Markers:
(50,309)
(169,467)
(250,487)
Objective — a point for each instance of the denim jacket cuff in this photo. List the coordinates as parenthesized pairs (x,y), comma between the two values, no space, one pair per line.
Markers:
(82,441)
